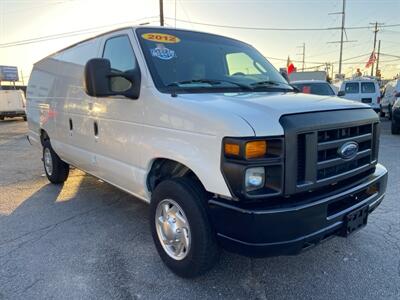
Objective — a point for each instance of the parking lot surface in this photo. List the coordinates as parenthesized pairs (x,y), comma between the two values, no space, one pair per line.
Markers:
(89,240)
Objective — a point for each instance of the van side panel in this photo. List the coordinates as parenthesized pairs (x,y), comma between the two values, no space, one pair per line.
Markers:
(40,98)
(59,105)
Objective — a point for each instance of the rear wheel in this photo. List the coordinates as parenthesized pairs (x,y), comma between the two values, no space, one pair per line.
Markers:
(181,229)
(56,170)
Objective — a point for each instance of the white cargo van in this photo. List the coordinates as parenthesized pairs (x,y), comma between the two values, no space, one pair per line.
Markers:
(362,89)
(391,94)
(12,104)
(204,129)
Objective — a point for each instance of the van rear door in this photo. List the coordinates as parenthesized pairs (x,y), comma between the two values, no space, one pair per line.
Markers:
(352,90)
(369,94)
(12,100)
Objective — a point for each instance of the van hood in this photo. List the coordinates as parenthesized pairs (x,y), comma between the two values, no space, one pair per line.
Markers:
(262,111)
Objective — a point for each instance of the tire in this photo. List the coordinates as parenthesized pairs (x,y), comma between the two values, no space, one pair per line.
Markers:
(381,113)
(56,170)
(25,118)
(395,128)
(203,251)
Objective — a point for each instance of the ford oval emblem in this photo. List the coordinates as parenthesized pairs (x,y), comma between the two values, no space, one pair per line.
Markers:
(348,150)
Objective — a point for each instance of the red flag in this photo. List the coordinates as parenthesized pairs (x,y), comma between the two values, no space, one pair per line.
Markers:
(371,60)
(290,66)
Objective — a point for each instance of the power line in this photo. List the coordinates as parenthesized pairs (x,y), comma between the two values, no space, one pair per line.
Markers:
(390,55)
(278,28)
(68,34)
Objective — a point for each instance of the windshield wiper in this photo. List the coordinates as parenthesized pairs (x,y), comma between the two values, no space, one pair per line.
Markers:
(271,83)
(210,81)
(266,82)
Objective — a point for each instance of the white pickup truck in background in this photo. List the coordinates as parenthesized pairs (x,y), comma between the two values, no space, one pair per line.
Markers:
(12,104)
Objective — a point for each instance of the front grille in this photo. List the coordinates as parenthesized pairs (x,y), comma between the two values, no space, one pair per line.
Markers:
(312,148)
(329,163)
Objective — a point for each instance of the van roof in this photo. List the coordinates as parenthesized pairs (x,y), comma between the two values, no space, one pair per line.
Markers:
(128,27)
(309,81)
(358,79)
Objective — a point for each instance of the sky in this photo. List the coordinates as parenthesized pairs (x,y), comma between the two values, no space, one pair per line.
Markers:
(21,20)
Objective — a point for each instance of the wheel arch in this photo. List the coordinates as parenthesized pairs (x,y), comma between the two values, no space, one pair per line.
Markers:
(43,136)
(162,168)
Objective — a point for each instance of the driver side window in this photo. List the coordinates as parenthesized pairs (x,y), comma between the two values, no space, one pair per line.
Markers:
(240,63)
(119,52)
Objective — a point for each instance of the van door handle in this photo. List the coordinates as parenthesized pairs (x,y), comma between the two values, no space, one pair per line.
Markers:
(71,126)
(96,130)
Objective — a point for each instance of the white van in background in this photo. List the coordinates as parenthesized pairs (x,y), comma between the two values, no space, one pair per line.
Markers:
(12,104)
(363,90)
(391,94)
(204,129)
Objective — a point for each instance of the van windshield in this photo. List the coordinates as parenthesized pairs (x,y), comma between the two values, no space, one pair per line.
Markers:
(192,62)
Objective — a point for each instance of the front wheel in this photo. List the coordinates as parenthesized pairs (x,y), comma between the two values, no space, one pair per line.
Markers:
(181,229)
(57,171)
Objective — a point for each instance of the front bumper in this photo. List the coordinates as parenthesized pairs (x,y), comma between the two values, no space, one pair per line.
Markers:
(289,229)
(12,114)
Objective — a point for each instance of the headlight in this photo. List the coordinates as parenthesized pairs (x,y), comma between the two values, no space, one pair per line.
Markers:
(255,178)
(253,167)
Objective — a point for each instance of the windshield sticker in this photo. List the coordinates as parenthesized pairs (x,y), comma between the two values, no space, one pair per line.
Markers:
(162,52)
(161,37)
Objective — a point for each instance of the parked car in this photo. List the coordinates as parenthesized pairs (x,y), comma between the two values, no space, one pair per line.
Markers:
(12,104)
(204,129)
(362,89)
(390,95)
(307,75)
(316,87)
(396,117)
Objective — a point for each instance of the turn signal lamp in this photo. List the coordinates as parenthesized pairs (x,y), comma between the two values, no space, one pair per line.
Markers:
(231,149)
(255,149)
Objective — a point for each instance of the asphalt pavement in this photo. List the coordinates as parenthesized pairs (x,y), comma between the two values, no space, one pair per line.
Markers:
(89,240)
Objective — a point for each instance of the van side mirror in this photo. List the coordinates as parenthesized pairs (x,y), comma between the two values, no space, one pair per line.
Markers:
(341,93)
(102,81)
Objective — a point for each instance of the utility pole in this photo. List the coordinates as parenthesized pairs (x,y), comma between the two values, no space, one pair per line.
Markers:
(341,36)
(303,54)
(377,58)
(22,77)
(375,33)
(342,33)
(161,13)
